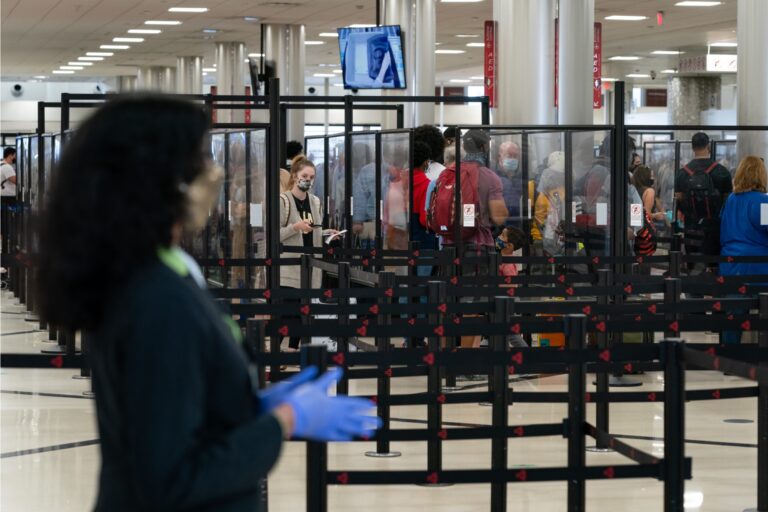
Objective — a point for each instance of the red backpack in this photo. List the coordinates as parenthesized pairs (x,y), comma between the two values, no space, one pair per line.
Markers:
(441,214)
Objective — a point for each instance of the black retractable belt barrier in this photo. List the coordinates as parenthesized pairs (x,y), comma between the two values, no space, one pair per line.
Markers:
(672,291)
(305,277)
(602,419)
(499,384)
(576,333)
(317,452)
(342,344)
(674,424)
(436,295)
(450,271)
(255,339)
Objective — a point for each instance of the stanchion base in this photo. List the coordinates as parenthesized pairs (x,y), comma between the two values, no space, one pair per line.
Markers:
(89,394)
(81,377)
(31,317)
(435,485)
(57,350)
(451,389)
(621,381)
(597,449)
(485,404)
(388,455)
(49,341)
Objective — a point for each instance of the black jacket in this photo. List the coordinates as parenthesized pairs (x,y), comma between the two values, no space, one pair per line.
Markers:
(176,410)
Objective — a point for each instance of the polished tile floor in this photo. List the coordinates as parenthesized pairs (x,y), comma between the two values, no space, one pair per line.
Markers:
(50,460)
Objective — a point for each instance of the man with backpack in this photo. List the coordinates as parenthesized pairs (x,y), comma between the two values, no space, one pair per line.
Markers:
(701,188)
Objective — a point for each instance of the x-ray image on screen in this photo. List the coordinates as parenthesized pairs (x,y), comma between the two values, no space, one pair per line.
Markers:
(372,58)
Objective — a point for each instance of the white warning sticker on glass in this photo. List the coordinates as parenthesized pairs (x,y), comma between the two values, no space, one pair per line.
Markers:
(764,214)
(257,215)
(602,214)
(636,215)
(469,215)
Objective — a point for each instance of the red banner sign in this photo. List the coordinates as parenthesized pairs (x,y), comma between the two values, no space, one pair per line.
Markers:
(597,68)
(490,62)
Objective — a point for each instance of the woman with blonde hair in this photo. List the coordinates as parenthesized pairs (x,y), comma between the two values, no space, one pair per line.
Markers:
(741,231)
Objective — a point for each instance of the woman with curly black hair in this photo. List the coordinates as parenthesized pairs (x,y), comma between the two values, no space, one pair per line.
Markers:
(181,427)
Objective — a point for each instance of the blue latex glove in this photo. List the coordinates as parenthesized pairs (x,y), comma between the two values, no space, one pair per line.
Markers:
(320,417)
(669,216)
(275,395)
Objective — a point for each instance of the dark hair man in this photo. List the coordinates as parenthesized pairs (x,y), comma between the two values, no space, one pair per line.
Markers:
(8,180)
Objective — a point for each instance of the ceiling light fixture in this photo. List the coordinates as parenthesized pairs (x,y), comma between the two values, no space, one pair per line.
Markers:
(313,43)
(622,17)
(209,70)
(255,54)
(449,52)
(114,47)
(209,31)
(667,52)
(127,39)
(638,75)
(80,63)
(94,59)
(476,45)
(250,18)
(328,34)
(604,79)
(668,71)
(459,81)
(188,9)
(62,72)
(621,57)
(467,35)
(144,31)
(78,68)
(99,54)
(724,45)
(696,3)
(162,22)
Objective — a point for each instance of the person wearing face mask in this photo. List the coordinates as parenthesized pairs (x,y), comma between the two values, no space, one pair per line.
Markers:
(643,180)
(181,423)
(508,167)
(301,214)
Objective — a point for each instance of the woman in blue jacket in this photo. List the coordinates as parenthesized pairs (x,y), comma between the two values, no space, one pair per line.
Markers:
(744,226)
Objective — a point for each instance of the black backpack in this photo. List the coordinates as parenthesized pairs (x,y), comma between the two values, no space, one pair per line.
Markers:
(702,200)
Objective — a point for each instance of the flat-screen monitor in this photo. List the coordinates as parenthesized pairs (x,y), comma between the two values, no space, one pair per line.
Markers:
(372,57)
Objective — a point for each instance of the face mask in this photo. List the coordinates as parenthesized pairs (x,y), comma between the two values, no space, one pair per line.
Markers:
(479,157)
(510,164)
(500,244)
(304,185)
(650,182)
(201,196)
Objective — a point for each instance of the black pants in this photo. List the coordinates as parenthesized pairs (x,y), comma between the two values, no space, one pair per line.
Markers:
(6,204)
(293,341)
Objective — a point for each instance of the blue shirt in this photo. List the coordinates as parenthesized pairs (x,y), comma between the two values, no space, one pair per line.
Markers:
(741,233)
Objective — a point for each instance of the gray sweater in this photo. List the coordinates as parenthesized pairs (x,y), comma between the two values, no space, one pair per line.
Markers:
(289,215)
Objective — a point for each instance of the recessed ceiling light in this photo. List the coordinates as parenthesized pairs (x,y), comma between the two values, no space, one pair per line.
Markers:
(638,75)
(205,74)
(724,45)
(80,63)
(324,75)
(94,59)
(361,25)
(338,71)
(449,52)
(162,22)
(313,43)
(620,57)
(459,81)
(328,34)
(209,31)
(250,18)
(78,68)
(188,9)
(99,54)
(144,31)
(476,45)
(622,17)
(467,35)
(209,70)
(255,54)
(668,71)
(696,3)
(604,79)
(114,47)
(62,72)
(667,52)
(127,39)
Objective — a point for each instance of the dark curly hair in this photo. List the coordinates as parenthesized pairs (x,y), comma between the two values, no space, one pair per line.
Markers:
(432,137)
(117,193)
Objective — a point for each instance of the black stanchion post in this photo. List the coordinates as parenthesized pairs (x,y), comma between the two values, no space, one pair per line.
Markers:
(342,344)
(85,350)
(383,381)
(762,420)
(502,311)
(305,280)
(602,414)
(576,333)
(255,336)
(676,258)
(449,271)
(436,295)
(317,452)
(494,260)
(674,424)
(672,291)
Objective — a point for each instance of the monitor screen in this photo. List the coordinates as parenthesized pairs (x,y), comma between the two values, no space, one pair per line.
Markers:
(372,57)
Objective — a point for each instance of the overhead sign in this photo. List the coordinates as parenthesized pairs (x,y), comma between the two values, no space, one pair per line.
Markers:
(490,62)
(722,63)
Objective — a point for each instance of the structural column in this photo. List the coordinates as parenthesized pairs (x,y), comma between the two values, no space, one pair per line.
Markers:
(689,96)
(424,85)
(126,83)
(525,63)
(752,71)
(285,54)
(400,12)
(156,78)
(575,53)
(230,77)
(189,75)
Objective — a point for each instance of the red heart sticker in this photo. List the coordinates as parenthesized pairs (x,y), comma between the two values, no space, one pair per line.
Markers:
(511,292)
(752,373)
(330,251)
(374,309)
(366,322)
(268,262)
(652,309)
(373,253)
(716,363)
(343,478)
(442,308)
(587,310)
(608,473)
(569,290)
(411,262)
(605,355)
(328,294)
(600,327)
(519,431)
(508,280)
(711,351)
(457,320)
(595,260)
(730,317)
(454,280)
(515,328)
(365,262)
(416,254)
(730,259)
(429,359)
(742,290)
(720,279)
(716,394)
(717,306)
(652,396)
(638,318)
(439,330)
(587,397)
(388,372)
(411,321)
(746,325)
(561,278)
(628,289)
(432,478)
(674,326)
(221,262)
(267,294)
(628,367)
(441,399)
(283,331)
(375,399)
(339,359)
(389,292)
(511,370)
(518,357)
(521,475)
(443,434)
(639,259)
(551,260)
(304,309)
(362,331)
(457,261)
(57,361)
